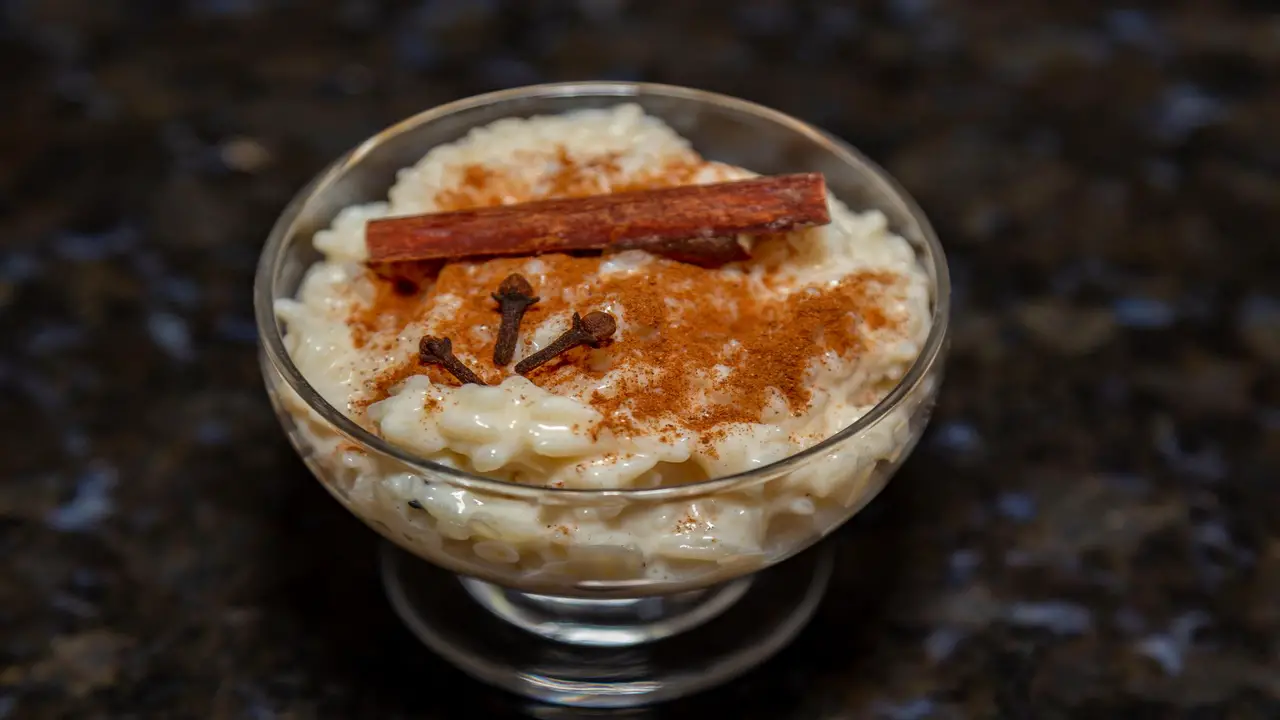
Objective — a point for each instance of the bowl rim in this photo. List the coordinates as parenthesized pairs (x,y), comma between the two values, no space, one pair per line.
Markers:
(271,337)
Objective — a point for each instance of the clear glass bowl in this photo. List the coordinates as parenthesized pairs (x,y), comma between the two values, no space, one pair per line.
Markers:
(617,595)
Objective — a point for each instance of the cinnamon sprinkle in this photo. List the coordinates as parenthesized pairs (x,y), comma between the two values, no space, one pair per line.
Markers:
(398,293)
(484,186)
(678,322)
(668,349)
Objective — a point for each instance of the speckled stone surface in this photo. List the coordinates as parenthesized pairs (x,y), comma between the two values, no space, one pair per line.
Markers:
(1089,530)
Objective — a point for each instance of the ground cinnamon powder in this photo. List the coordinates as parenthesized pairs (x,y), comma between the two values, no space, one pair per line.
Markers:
(398,291)
(682,326)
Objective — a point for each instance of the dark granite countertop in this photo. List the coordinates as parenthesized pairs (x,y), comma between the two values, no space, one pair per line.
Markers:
(1090,529)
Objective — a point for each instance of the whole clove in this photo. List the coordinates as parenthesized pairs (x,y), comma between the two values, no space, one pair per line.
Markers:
(514,296)
(593,330)
(439,351)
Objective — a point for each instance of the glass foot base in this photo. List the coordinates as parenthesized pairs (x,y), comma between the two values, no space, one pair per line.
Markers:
(605,653)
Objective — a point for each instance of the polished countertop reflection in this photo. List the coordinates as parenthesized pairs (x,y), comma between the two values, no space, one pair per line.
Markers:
(1089,529)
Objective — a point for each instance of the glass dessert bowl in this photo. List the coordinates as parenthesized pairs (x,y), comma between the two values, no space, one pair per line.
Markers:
(605,530)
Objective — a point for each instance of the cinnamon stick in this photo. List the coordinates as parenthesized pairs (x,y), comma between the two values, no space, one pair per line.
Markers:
(693,223)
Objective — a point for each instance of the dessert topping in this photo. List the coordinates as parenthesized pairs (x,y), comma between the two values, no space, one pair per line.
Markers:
(514,296)
(439,351)
(594,330)
(698,224)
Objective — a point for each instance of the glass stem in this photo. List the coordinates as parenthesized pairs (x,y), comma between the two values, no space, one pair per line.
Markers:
(606,622)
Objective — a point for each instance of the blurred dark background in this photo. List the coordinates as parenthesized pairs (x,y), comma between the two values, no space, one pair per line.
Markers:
(1089,530)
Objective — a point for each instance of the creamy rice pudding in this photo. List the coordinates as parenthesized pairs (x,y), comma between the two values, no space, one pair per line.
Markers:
(710,371)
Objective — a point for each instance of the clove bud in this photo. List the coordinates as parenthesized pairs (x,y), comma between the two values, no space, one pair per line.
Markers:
(593,329)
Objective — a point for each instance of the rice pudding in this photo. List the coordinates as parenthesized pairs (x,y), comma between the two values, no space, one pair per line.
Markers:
(711,371)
